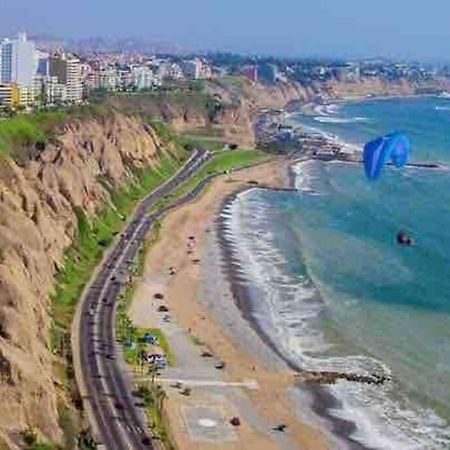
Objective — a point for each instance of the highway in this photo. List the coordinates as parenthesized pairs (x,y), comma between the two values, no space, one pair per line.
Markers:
(100,370)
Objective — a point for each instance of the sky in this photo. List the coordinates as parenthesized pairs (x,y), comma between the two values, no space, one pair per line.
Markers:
(350,28)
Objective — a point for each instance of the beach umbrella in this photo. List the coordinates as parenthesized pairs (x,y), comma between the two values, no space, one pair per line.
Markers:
(393,147)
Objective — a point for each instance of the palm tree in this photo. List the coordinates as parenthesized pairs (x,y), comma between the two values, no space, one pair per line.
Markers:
(160,396)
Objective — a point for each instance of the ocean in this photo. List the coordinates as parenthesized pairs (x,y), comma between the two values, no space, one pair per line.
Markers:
(332,290)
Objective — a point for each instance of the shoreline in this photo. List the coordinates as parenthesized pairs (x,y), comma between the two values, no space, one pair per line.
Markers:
(197,318)
(322,400)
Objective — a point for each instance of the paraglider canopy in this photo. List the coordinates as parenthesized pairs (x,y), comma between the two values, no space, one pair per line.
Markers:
(393,147)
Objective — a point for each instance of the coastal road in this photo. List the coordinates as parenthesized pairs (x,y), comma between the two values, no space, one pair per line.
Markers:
(103,381)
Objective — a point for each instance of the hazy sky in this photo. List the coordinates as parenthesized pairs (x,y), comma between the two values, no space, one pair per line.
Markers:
(409,28)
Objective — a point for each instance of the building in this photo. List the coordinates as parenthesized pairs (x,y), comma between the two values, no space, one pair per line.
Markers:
(124,79)
(49,91)
(170,71)
(19,61)
(251,72)
(67,70)
(196,69)
(143,77)
(192,69)
(28,97)
(9,96)
(108,79)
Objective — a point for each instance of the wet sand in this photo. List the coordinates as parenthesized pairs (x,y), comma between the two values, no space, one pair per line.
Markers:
(201,302)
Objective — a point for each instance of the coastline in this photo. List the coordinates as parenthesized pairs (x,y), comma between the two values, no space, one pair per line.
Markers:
(220,326)
(322,400)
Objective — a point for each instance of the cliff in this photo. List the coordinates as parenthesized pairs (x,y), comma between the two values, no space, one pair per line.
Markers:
(47,183)
(38,221)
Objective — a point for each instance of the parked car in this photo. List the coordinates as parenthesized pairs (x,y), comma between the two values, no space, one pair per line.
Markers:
(157,360)
(150,339)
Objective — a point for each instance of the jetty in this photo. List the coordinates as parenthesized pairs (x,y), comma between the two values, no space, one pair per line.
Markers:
(331,377)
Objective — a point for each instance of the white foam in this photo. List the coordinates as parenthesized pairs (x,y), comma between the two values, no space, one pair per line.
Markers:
(328,119)
(287,307)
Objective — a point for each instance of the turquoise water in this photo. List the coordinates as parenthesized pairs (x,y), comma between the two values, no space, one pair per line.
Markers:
(333,289)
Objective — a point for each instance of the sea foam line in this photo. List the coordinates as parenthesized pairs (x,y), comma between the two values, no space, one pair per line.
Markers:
(287,310)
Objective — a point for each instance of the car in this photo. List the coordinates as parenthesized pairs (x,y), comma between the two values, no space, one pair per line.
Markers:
(150,339)
(119,405)
(146,441)
(163,308)
(157,361)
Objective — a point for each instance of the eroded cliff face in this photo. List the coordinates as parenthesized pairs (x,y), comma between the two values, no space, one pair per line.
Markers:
(242,101)
(37,223)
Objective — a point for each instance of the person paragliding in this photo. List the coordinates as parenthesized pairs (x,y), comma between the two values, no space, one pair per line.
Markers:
(404,239)
(393,147)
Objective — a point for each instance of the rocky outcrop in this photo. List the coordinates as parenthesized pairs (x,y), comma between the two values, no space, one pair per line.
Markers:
(37,223)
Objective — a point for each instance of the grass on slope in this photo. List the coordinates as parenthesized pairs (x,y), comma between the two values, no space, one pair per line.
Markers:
(93,238)
(33,130)
(210,143)
(220,163)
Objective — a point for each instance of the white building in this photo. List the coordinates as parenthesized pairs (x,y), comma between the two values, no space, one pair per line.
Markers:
(19,61)
(108,79)
(143,77)
(49,91)
(74,85)
(170,71)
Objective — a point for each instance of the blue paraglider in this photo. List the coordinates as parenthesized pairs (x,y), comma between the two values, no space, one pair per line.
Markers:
(393,147)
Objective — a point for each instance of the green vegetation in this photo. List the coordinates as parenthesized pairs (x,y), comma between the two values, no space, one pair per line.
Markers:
(135,336)
(20,131)
(65,420)
(127,333)
(43,446)
(31,442)
(210,143)
(192,97)
(232,80)
(93,236)
(27,131)
(153,396)
(220,163)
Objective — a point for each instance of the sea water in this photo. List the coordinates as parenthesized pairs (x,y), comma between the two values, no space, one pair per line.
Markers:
(332,289)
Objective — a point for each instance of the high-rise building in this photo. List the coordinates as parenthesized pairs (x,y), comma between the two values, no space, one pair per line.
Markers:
(67,69)
(19,61)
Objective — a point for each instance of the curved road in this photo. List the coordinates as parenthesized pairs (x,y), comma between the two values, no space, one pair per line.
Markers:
(100,370)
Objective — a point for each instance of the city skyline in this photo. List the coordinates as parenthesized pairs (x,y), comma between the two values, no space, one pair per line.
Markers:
(323,28)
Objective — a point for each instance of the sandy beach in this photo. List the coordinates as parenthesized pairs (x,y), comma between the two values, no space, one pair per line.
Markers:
(206,328)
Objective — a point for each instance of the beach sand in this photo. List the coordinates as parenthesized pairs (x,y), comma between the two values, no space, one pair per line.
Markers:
(203,316)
